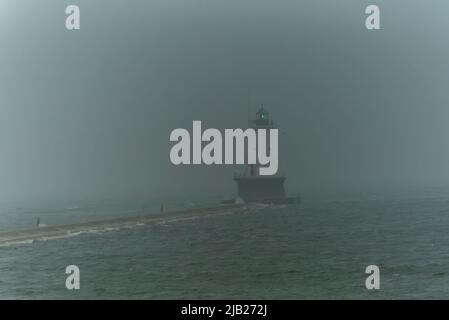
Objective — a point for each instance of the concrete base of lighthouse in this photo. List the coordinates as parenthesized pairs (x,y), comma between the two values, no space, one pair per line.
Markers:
(263,189)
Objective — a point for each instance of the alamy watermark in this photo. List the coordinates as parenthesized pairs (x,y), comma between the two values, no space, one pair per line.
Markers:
(217,151)
(373,280)
(73,281)
(73,19)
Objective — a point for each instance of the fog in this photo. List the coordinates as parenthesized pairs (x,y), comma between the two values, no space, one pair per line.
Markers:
(88,113)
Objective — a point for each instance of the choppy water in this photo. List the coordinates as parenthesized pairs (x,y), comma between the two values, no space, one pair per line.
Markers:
(318,249)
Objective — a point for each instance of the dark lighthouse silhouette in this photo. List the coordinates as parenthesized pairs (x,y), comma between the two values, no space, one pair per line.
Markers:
(252,187)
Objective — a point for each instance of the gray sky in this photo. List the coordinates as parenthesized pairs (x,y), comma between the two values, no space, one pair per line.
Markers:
(89,112)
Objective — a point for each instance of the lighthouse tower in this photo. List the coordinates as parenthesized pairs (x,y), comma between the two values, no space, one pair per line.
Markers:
(253,187)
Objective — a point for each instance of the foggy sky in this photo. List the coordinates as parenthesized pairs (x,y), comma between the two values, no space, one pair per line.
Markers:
(89,112)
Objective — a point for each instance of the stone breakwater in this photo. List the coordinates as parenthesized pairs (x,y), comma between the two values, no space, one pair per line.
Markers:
(27,236)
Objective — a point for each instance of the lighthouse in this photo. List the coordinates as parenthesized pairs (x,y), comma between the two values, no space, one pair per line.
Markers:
(253,187)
